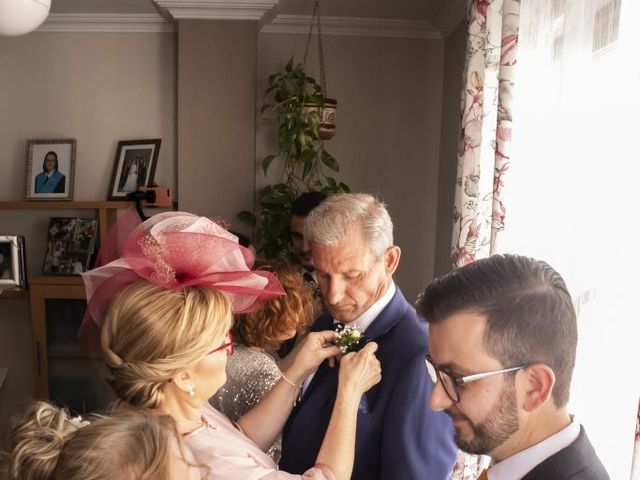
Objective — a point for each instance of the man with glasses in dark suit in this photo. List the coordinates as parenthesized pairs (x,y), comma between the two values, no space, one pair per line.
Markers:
(502,343)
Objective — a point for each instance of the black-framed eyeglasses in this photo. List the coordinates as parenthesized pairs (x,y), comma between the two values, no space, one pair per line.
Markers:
(451,383)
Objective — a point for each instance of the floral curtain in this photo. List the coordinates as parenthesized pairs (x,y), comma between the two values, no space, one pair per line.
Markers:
(485,134)
(635,462)
(483,147)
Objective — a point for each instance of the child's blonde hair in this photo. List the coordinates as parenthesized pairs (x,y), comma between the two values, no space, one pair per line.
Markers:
(45,443)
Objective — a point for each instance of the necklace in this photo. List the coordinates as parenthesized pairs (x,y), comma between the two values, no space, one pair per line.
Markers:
(200,421)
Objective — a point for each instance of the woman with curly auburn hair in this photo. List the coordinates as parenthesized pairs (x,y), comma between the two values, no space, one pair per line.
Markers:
(253,371)
(282,317)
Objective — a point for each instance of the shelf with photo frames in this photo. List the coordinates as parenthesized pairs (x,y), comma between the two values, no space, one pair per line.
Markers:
(106,210)
(62,371)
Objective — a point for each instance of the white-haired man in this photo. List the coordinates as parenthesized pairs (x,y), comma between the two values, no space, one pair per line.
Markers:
(351,237)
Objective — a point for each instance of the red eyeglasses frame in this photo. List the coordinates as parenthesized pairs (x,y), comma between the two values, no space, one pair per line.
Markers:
(228,346)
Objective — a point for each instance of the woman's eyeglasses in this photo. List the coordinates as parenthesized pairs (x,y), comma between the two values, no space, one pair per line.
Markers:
(227,345)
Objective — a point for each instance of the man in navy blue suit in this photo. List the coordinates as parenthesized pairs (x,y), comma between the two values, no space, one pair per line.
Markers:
(398,437)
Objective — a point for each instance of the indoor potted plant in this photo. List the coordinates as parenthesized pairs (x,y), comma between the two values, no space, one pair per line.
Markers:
(295,101)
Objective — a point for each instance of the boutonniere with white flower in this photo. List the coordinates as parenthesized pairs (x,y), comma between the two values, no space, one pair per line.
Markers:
(348,338)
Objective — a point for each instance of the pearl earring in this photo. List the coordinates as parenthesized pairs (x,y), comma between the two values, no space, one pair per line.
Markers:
(191,391)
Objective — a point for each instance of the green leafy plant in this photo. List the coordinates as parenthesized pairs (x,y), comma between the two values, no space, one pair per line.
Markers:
(294,100)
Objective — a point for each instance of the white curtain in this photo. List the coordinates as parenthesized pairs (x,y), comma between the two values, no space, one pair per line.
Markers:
(573,191)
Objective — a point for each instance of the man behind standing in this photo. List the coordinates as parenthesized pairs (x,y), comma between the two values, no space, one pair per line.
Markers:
(502,340)
(301,208)
(301,252)
(351,237)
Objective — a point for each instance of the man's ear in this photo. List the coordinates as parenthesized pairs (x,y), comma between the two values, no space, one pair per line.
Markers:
(391,259)
(538,381)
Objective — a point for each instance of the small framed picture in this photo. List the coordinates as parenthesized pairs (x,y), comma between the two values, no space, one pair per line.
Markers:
(134,167)
(12,262)
(70,245)
(50,169)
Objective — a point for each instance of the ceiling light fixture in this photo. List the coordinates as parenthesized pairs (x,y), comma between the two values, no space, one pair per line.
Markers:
(18,17)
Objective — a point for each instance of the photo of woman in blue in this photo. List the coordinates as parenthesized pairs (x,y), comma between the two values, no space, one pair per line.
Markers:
(50,180)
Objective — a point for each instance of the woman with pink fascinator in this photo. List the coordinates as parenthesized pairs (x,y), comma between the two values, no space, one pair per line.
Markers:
(165,310)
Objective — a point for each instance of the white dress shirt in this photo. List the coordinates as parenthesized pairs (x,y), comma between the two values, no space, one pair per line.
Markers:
(362,322)
(517,466)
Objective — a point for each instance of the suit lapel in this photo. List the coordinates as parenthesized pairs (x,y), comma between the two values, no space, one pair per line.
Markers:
(567,462)
(323,386)
(388,318)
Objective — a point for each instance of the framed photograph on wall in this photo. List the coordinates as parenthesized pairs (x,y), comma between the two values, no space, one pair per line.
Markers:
(50,169)
(12,262)
(134,167)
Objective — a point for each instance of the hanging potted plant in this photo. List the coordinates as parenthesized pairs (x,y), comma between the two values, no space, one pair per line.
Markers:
(305,118)
(324,106)
(293,100)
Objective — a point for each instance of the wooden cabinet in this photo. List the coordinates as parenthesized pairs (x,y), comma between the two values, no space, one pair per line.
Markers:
(63,371)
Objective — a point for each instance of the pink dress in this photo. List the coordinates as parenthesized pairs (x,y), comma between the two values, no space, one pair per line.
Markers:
(230,454)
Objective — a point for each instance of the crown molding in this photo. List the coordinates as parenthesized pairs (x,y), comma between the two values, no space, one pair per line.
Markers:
(450,15)
(354,26)
(107,23)
(216,9)
(143,22)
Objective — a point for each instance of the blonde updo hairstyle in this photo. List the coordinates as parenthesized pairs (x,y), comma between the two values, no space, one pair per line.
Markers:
(152,333)
(45,443)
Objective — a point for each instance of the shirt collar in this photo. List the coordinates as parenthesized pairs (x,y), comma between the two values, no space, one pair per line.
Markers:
(367,318)
(517,466)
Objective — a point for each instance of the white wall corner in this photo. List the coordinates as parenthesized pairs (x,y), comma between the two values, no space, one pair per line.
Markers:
(354,26)
(217,9)
(449,16)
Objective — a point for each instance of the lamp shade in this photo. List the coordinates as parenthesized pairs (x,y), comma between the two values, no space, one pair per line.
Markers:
(18,17)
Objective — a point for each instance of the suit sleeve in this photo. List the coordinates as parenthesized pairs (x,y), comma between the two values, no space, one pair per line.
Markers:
(417,442)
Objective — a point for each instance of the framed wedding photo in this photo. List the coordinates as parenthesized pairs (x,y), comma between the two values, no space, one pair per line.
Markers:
(134,167)
(12,262)
(50,169)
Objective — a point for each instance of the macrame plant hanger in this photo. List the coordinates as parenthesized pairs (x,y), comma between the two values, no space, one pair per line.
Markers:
(327,110)
(315,20)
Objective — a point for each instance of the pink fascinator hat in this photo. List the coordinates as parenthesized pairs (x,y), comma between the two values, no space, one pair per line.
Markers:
(176,250)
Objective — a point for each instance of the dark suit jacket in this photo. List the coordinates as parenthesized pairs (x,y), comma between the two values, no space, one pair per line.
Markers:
(398,435)
(578,461)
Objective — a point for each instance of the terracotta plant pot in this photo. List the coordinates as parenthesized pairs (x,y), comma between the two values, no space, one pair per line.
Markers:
(327,113)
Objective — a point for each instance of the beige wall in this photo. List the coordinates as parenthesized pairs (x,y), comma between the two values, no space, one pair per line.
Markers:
(388,129)
(452,79)
(216,117)
(98,88)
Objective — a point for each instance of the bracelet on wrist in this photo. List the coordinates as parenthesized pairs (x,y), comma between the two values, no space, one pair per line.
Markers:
(293,384)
